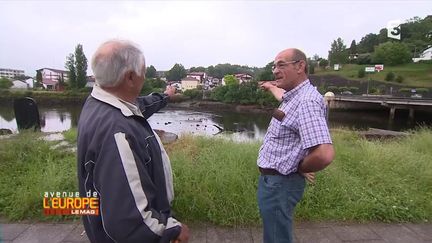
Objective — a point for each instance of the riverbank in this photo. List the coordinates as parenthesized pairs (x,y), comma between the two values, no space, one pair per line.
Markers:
(47,98)
(54,98)
(219,106)
(215,179)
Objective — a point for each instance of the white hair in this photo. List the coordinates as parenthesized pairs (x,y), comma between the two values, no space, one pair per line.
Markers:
(113,59)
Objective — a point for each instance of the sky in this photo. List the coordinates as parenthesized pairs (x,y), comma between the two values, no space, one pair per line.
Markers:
(38,34)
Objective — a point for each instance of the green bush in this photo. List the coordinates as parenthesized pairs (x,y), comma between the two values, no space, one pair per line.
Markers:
(5,83)
(399,79)
(193,93)
(311,69)
(342,89)
(422,90)
(404,90)
(333,88)
(390,76)
(354,90)
(361,73)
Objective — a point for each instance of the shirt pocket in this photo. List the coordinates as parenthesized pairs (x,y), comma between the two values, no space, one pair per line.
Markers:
(288,126)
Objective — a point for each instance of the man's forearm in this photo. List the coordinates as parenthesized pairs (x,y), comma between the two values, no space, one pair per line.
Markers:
(318,159)
(277,92)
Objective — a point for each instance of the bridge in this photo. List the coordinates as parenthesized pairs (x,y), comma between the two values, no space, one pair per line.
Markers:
(372,102)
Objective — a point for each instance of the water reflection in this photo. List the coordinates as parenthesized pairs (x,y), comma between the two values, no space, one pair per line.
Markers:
(239,126)
(184,121)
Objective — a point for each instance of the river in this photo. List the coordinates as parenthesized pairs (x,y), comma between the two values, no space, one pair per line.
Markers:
(240,125)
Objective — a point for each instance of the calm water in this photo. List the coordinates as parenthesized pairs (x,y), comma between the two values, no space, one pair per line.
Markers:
(240,125)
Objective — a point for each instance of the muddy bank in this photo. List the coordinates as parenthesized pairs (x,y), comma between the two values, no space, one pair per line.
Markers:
(218,106)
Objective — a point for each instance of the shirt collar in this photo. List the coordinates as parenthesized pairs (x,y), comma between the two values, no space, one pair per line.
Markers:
(289,94)
(126,108)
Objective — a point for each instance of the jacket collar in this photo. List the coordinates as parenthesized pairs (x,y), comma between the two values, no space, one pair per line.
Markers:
(126,108)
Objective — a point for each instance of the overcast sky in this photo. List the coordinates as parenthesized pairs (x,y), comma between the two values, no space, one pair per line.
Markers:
(37,34)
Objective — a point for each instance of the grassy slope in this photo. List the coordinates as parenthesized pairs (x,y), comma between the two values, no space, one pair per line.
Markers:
(415,74)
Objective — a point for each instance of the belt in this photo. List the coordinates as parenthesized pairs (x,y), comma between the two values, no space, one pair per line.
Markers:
(267,171)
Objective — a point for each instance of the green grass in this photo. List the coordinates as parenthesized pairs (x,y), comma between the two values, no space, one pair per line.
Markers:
(415,74)
(216,179)
(28,168)
(374,181)
(71,135)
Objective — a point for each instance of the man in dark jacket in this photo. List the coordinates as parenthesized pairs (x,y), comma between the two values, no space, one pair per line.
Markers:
(120,157)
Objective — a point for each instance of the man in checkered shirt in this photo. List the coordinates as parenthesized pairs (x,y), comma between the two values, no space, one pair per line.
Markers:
(296,145)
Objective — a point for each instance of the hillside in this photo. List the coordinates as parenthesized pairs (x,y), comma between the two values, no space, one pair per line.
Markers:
(414,74)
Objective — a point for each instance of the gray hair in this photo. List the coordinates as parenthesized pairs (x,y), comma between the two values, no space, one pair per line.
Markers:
(113,59)
(299,55)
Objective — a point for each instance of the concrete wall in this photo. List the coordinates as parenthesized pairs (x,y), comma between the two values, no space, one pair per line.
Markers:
(349,105)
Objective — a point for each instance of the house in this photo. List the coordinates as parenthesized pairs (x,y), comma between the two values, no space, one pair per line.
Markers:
(243,77)
(200,76)
(189,83)
(17,84)
(51,78)
(426,55)
(30,82)
(10,73)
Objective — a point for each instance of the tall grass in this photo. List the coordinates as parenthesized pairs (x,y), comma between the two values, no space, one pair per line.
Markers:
(389,181)
(28,168)
(374,181)
(216,179)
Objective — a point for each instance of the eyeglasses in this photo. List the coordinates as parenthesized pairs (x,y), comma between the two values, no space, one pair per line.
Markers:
(282,65)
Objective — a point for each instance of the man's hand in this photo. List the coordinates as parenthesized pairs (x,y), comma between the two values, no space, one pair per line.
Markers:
(170,90)
(310,177)
(266,85)
(270,86)
(184,235)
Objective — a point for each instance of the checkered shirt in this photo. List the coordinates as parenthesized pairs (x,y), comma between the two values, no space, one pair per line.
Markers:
(304,125)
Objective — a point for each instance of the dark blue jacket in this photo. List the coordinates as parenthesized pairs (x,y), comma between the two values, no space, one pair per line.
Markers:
(120,158)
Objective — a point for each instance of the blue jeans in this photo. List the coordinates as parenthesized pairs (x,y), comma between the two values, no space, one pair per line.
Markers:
(277,198)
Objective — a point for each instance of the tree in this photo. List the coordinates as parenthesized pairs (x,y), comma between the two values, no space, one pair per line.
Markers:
(38,79)
(197,69)
(76,64)
(230,80)
(353,47)
(176,73)
(338,52)
(80,67)
(382,36)
(368,43)
(323,63)
(392,53)
(5,83)
(266,74)
(311,68)
(70,66)
(151,72)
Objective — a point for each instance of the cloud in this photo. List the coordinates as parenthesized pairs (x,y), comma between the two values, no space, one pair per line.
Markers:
(39,34)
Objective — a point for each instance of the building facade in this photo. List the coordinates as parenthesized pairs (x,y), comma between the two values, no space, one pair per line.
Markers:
(10,73)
